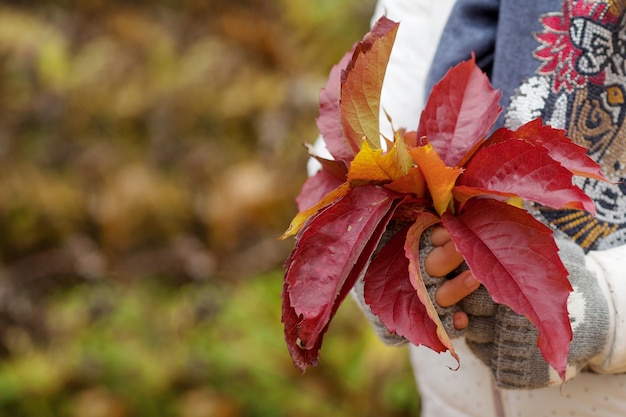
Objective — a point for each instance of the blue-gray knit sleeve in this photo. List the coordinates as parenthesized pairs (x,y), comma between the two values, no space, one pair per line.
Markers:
(471,27)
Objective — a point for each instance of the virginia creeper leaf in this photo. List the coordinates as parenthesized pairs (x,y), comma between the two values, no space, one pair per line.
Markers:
(411,250)
(399,153)
(459,112)
(338,238)
(308,357)
(439,177)
(301,357)
(411,183)
(336,168)
(329,119)
(303,216)
(515,257)
(316,187)
(520,168)
(473,185)
(561,148)
(392,295)
(360,91)
(374,166)
(462,193)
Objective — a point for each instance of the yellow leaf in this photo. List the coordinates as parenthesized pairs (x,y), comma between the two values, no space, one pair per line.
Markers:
(516,202)
(401,154)
(440,178)
(373,166)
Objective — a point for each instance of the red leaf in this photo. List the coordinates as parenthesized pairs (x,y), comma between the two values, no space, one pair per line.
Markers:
(395,291)
(459,112)
(302,217)
(561,148)
(392,297)
(301,357)
(515,257)
(329,119)
(315,188)
(519,168)
(329,255)
(337,168)
(360,91)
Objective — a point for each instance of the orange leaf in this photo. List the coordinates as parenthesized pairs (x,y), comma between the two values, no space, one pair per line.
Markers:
(439,178)
(360,91)
(412,183)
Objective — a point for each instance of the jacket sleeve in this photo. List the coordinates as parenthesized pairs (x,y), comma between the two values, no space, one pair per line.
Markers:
(609,265)
(421,24)
(471,28)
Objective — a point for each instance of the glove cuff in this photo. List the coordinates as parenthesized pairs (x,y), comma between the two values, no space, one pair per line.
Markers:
(518,363)
(588,308)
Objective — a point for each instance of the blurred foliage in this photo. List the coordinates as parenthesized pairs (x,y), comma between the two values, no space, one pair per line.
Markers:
(150,153)
(195,352)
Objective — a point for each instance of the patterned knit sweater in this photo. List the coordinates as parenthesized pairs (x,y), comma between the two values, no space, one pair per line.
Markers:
(563,61)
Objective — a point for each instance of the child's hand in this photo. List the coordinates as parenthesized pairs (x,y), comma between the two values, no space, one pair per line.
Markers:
(442,260)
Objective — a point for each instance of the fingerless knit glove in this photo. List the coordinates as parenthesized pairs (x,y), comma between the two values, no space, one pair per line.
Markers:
(432,284)
(507,342)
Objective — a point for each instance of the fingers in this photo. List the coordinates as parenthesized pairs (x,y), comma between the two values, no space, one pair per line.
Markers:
(454,290)
(442,260)
(460,320)
(439,236)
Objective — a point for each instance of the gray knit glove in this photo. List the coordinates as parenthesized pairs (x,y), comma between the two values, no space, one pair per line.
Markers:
(433,284)
(507,342)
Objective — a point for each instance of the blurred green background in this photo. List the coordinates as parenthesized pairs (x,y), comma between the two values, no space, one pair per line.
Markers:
(150,153)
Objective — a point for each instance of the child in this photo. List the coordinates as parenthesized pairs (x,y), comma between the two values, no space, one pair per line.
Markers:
(563,61)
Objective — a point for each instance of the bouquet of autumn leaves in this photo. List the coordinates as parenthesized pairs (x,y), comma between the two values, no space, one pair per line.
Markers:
(447,172)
